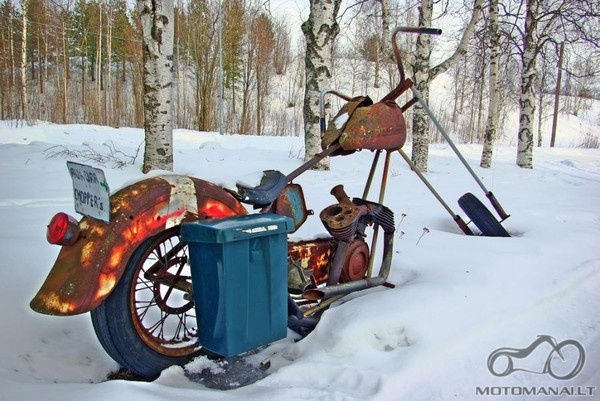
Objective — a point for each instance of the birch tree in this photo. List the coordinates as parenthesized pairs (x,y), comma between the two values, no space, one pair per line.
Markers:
(423,76)
(320,31)
(262,35)
(157,17)
(528,81)
(24,98)
(491,125)
(542,17)
(383,48)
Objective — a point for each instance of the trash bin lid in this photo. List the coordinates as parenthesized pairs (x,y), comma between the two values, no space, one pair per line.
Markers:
(236,228)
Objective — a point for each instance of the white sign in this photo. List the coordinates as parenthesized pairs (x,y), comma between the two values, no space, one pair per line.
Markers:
(90,191)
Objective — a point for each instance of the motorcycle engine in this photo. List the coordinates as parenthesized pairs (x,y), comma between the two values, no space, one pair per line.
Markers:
(346,221)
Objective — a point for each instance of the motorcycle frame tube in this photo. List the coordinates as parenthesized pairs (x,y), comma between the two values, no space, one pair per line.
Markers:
(371,174)
(382,188)
(503,215)
(312,162)
(447,137)
(85,273)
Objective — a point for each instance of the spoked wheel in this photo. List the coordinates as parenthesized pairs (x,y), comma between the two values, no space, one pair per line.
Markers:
(149,321)
(481,216)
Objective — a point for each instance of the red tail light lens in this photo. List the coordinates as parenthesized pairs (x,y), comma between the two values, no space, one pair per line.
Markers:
(63,230)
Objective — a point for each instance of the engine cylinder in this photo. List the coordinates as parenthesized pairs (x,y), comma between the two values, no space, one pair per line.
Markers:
(341,220)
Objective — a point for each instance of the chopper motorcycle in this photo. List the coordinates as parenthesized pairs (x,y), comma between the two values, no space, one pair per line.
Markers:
(131,271)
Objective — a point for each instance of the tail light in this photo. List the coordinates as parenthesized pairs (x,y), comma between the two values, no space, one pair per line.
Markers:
(63,230)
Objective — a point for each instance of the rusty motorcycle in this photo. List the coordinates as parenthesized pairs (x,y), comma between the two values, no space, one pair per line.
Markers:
(132,272)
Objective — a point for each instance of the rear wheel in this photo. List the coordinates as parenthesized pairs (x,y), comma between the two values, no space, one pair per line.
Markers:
(481,216)
(148,322)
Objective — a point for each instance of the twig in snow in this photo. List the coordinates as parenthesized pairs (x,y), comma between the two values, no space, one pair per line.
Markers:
(116,158)
(425,231)
(402,216)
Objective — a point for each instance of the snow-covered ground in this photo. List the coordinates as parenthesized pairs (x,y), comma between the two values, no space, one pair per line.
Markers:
(457,299)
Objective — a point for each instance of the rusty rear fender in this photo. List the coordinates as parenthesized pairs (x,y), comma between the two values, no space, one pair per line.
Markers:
(85,273)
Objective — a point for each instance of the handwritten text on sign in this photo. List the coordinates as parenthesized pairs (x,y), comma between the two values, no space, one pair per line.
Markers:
(90,190)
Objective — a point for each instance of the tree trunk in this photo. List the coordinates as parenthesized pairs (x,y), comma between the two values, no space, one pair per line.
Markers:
(24,98)
(259,101)
(557,94)
(83,71)
(3,84)
(385,29)
(320,31)
(528,81)
(540,107)
(39,60)
(65,82)
(377,63)
(118,112)
(423,76)
(247,77)
(157,17)
(108,107)
(11,41)
(98,68)
(491,125)
(420,130)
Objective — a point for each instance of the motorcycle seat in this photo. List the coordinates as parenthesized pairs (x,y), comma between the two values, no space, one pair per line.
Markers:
(271,184)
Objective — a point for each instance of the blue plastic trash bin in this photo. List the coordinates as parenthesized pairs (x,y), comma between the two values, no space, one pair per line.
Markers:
(239,278)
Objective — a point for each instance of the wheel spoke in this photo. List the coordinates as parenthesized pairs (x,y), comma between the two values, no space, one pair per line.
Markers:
(170,288)
(162,314)
(158,325)
(145,309)
(151,309)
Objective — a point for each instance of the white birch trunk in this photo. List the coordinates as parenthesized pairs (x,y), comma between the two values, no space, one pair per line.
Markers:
(24,98)
(491,125)
(108,87)
(423,75)
(383,52)
(11,41)
(157,18)
(320,31)
(65,82)
(528,81)
(99,61)
(385,27)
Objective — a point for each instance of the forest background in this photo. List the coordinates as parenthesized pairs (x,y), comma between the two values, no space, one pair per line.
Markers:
(80,61)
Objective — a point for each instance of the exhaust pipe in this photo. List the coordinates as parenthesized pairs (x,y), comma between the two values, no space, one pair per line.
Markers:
(329,291)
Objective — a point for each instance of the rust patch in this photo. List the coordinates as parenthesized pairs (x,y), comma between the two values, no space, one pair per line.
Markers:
(85,273)
(313,255)
(380,126)
(291,203)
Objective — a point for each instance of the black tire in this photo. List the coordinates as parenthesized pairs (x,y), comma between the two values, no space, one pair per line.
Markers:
(481,216)
(148,325)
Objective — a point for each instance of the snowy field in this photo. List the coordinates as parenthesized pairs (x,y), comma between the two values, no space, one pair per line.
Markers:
(457,298)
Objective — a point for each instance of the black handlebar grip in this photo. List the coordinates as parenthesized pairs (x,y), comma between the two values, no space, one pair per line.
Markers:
(419,30)
(430,31)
